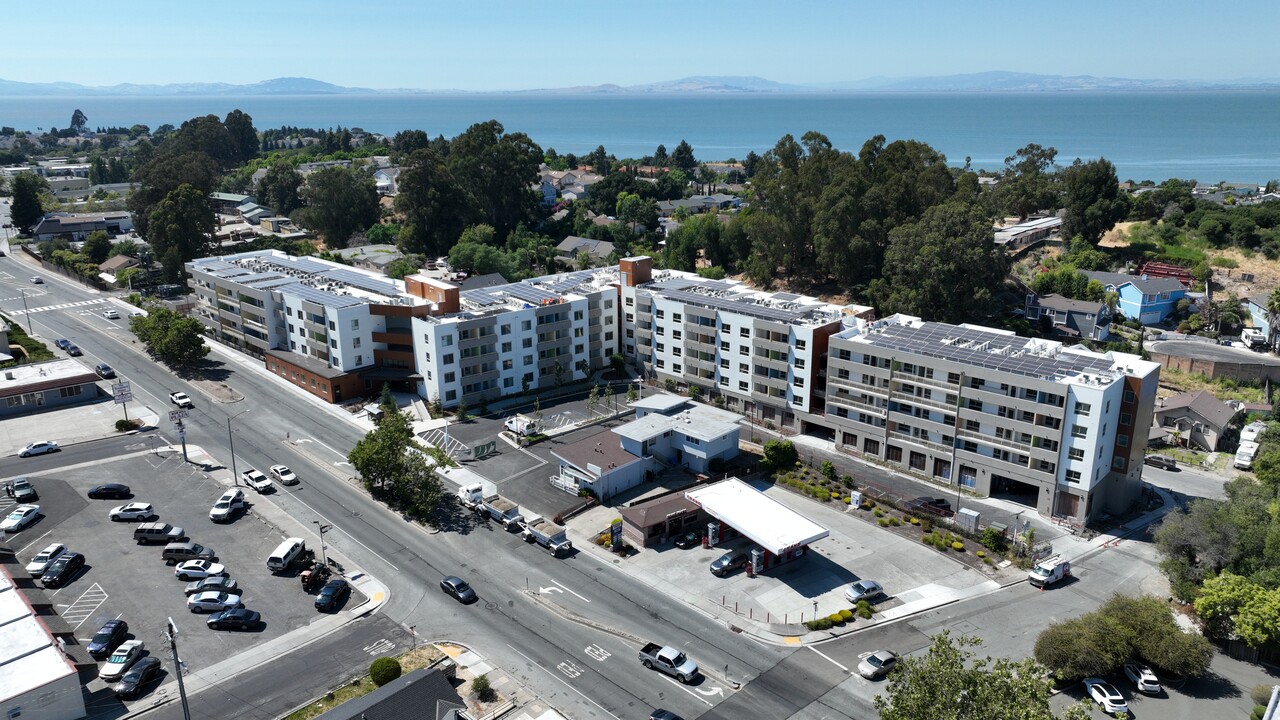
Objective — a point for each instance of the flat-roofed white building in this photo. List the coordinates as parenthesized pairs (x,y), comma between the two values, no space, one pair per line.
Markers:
(37,680)
(739,509)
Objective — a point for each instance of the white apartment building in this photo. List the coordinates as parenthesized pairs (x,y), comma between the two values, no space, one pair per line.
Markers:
(994,412)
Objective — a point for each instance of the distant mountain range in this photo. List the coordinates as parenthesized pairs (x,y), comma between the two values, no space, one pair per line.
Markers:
(995,81)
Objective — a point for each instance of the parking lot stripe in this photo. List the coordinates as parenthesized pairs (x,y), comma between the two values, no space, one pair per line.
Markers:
(33,542)
(84,606)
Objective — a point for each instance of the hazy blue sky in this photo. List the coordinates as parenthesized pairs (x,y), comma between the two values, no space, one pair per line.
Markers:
(486,45)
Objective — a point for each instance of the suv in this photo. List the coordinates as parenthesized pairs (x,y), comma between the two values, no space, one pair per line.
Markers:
(225,507)
(104,371)
(22,490)
(728,562)
(177,552)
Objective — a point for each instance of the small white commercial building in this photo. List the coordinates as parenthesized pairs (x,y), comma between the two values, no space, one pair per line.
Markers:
(37,680)
(738,509)
(681,433)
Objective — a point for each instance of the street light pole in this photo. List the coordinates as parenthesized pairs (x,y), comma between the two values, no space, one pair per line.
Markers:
(26,312)
(231,442)
(324,557)
(171,631)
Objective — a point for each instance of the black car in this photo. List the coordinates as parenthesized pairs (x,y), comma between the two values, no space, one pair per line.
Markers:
(235,619)
(74,351)
(459,589)
(113,633)
(933,506)
(110,491)
(62,343)
(661,714)
(139,674)
(331,594)
(691,539)
(62,570)
(104,370)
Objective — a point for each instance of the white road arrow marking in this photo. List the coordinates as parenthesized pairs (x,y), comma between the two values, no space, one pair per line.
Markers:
(713,691)
(546,590)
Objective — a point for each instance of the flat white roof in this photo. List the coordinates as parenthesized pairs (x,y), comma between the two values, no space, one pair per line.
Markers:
(29,656)
(661,402)
(702,422)
(24,375)
(772,525)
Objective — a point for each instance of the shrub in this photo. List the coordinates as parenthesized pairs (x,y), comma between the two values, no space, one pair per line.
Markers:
(863,610)
(883,522)
(926,525)
(981,554)
(847,481)
(823,494)
(894,521)
(822,623)
(126,425)
(915,521)
(994,540)
(1258,712)
(1260,694)
(879,512)
(957,546)
(384,670)
(848,500)
(836,618)
(779,454)
(482,688)
(846,614)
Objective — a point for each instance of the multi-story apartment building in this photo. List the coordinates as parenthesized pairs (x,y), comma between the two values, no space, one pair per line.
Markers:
(994,412)
(763,352)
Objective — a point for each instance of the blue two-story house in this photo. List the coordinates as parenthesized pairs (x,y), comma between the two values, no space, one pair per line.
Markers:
(1149,300)
(1257,307)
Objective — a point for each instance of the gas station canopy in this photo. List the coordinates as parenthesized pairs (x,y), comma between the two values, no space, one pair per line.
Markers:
(772,525)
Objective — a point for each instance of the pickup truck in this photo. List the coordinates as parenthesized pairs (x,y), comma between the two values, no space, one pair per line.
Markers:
(669,660)
(536,529)
(257,480)
(180,399)
(1049,571)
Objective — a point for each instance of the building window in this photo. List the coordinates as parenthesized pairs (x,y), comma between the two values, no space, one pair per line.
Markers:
(724,380)
(333,325)
(799,363)
(527,343)
(799,382)
(677,369)
(661,363)
(1083,409)
(359,360)
(1073,476)
(743,368)
(742,385)
(744,332)
(1117,462)
(800,344)
(447,359)
(744,350)
(507,364)
(526,325)
(528,359)
(1122,440)
(355,343)
(355,323)
(1126,419)
(660,313)
(508,382)
(451,395)
(446,340)
(661,347)
(1129,397)
(506,329)
(724,363)
(577,350)
(1079,431)
(1076,453)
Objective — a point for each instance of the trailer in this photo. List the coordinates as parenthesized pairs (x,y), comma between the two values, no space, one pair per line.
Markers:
(1245,455)
(485,500)
(536,529)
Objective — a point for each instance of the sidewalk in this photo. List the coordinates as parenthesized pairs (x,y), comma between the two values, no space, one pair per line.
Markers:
(373,589)
(72,425)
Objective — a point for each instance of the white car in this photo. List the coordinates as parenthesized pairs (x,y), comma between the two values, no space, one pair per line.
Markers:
(197,569)
(41,562)
(38,448)
(136,313)
(1106,695)
(180,399)
(37,280)
(1142,678)
(284,475)
(256,480)
(111,314)
(22,516)
(227,504)
(863,590)
(212,602)
(127,654)
(133,511)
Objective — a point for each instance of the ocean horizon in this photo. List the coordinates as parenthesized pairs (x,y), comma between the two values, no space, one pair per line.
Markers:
(1208,136)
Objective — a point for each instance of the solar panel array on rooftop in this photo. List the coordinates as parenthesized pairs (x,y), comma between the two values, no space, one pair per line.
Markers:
(322,297)
(528,293)
(743,306)
(994,351)
(362,281)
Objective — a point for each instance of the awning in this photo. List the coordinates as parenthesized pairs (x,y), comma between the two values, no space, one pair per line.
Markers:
(772,525)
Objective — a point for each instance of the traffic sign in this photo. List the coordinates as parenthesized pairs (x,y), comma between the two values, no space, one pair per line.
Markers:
(122,392)
(176,415)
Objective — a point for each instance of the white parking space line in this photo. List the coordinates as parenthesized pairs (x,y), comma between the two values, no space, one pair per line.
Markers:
(827,658)
(84,606)
(28,546)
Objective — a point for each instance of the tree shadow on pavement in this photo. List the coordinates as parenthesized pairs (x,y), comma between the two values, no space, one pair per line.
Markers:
(1211,686)
(451,517)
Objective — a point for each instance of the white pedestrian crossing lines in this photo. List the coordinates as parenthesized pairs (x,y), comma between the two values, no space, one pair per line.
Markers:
(62,306)
(85,606)
(383,645)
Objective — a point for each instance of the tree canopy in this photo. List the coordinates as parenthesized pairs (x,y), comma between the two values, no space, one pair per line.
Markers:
(180,228)
(340,202)
(279,189)
(170,337)
(496,170)
(390,466)
(26,209)
(1092,199)
(435,206)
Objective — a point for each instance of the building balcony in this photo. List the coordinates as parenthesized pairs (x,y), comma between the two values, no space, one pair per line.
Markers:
(850,402)
(858,385)
(921,442)
(993,440)
(394,337)
(902,397)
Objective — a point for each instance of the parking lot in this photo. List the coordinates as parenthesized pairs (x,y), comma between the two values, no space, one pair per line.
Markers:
(123,579)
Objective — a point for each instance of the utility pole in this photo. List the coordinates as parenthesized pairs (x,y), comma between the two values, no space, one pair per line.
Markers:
(324,557)
(171,634)
(26,312)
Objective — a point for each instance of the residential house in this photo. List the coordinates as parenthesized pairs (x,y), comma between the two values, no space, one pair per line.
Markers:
(1149,300)
(1080,319)
(1025,233)
(226,203)
(1198,418)
(599,250)
(385,179)
(424,694)
(1257,307)
(681,433)
(371,257)
(113,265)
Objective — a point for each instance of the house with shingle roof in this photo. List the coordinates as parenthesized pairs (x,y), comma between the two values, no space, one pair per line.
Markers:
(1149,300)
(1080,319)
(426,693)
(1199,418)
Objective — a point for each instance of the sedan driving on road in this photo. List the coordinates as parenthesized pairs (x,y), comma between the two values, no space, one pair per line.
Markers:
(104,371)
(20,517)
(37,280)
(212,602)
(62,343)
(196,569)
(74,351)
(38,448)
(133,511)
(1106,696)
(110,491)
(877,664)
(284,475)
(459,589)
(111,314)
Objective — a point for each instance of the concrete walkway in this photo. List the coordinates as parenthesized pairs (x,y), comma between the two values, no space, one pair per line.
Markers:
(71,425)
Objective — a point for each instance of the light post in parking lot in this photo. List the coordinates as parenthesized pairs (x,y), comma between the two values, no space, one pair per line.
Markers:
(324,557)
(231,441)
(171,634)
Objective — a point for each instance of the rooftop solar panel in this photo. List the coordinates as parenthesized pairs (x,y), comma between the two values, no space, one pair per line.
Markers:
(322,297)
(525,292)
(362,281)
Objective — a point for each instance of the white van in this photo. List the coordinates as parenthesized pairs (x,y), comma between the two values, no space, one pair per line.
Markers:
(285,554)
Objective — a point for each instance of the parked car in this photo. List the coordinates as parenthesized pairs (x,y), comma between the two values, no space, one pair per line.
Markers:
(459,589)
(108,637)
(62,570)
(110,314)
(284,475)
(256,480)
(20,517)
(661,714)
(62,343)
(136,313)
(41,562)
(1142,678)
(180,552)
(728,562)
(226,505)
(687,540)
(137,677)
(332,594)
(124,656)
(74,351)
(234,619)
(104,371)
(180,399)
(1106,696)
(931,505)
(874,665)
(133,511)
(212,583)
(23,490)
(194,569)
(110,491)
(212,602)
(1163,462)
(863,590)
(38,448)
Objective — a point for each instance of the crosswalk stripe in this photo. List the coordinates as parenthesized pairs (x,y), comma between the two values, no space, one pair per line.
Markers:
(62,306)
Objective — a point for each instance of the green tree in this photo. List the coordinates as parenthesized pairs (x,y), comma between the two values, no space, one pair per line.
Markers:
(779,454)
(171,337)
(682,158)
(950,681)
(1229,603)
(637,212)
(340,202)
(497,169)
(406,142)
(388,461)
(164,174)
(26,210)
(279,188)
(435,207)
(1029,181)
(206,134)
(241,135)
(945,267)
(1082,647)
(384,670)
(97,246)
(180,229)
(1093,201)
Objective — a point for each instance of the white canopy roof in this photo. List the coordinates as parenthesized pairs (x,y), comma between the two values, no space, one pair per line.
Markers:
(772,525)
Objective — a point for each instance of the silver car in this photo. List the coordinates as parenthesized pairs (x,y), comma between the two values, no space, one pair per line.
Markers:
(874,665)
